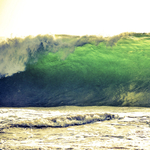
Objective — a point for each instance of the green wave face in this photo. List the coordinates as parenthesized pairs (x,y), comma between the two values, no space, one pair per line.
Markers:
(91,74)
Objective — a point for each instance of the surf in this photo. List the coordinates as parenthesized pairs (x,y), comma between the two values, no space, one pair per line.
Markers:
(73,70)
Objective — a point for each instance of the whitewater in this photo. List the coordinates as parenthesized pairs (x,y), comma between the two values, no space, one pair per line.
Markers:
(72,127)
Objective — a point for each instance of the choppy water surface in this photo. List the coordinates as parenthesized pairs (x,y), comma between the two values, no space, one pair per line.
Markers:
(75,128)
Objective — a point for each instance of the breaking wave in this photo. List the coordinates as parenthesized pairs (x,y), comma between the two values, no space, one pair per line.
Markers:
(39,119)
(15,53)
(48,71)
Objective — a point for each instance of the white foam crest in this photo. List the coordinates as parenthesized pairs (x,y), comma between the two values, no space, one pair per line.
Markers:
(15,53)
(32,118)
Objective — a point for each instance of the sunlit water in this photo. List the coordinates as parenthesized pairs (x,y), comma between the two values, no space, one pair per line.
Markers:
(75,128)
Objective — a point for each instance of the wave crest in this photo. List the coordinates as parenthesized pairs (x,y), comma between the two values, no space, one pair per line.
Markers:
(36,119)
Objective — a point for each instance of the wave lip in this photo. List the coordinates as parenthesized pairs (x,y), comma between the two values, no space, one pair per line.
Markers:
(40,120)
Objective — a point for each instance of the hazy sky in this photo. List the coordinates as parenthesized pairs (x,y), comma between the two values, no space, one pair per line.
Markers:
(75,17)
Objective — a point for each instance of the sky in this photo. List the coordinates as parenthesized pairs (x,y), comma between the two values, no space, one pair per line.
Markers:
(74,17)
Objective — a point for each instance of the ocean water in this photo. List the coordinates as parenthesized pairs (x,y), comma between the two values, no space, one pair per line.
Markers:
(56,92)
(64,70)
(72,127)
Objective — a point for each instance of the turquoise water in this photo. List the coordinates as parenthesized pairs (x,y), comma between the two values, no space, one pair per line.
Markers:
(81,71)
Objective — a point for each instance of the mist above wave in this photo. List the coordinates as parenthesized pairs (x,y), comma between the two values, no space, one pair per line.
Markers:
(15,53)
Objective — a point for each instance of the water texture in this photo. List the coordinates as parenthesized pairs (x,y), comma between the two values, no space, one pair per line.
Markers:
(29,128)
(65,70)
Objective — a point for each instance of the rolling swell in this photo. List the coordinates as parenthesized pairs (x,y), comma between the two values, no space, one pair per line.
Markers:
(39,119)
(71,70)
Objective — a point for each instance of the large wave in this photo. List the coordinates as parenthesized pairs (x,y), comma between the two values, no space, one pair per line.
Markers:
(72,70)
